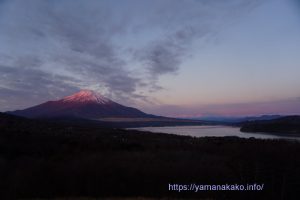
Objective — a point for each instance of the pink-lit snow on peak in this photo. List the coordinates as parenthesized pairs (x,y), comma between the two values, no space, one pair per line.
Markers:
(86,96)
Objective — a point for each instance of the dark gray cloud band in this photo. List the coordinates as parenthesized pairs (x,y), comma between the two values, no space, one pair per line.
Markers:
(53,48)
(22,86)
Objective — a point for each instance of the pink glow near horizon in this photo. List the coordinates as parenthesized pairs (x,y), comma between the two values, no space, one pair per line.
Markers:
(287,107)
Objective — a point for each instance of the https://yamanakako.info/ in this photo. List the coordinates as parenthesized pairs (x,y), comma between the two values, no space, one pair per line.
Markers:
(211,187)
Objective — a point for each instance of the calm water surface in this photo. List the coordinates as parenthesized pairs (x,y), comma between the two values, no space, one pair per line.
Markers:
(212,131)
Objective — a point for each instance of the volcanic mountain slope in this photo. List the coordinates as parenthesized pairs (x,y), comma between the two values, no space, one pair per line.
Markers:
(84,104)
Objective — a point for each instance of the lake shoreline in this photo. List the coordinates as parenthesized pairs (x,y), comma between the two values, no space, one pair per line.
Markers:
(215,131)
(275,134)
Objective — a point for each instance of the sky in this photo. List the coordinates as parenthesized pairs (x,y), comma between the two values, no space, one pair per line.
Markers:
(183,58)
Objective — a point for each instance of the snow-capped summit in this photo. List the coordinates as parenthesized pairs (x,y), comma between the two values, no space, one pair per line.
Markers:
(87,96)
(84,104)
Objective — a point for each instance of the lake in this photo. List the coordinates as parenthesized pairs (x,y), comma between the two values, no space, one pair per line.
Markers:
(211,131)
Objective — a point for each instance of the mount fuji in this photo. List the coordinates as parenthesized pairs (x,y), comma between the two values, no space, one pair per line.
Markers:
(85,104)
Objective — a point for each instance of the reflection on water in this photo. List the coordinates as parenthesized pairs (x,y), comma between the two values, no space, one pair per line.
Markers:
(212,131)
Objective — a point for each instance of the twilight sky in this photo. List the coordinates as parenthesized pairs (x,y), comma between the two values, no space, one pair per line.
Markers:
(166,57)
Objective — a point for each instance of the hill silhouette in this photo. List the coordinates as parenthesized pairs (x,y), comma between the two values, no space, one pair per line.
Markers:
(285,125)
(40,159)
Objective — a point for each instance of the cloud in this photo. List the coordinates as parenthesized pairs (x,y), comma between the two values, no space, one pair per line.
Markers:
(21,86)
(184,24)
(166,55)
(86,40)
(73,37)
